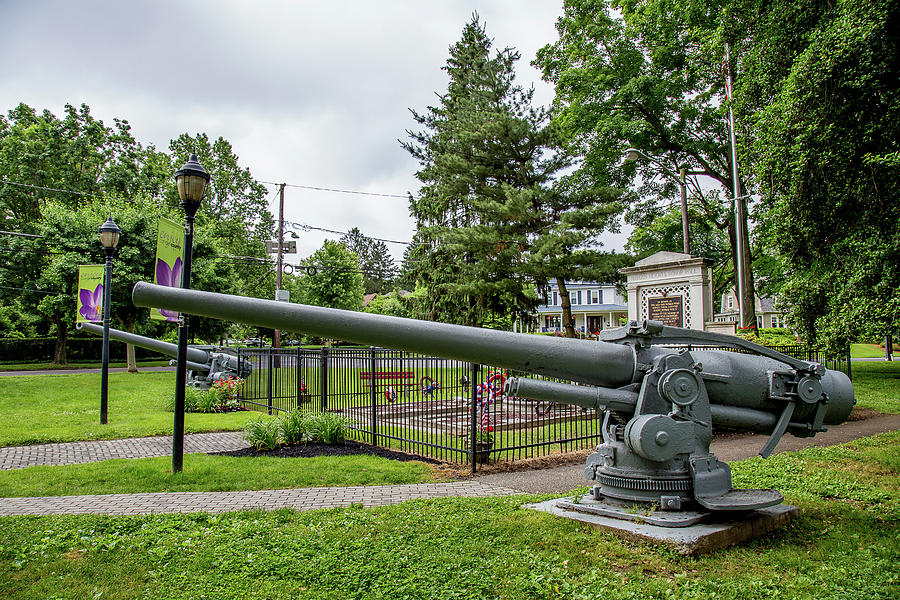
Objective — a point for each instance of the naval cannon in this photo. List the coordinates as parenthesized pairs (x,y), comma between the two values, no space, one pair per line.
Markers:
(206,364)
(660,403)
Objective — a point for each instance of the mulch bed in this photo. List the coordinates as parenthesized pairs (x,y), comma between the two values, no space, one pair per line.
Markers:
(346,449)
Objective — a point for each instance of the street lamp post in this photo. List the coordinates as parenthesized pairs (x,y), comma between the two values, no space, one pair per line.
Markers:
(109,238)
(191,181)
(633,154)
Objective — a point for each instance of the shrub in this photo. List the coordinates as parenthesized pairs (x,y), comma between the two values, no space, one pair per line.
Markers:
(192,399)
(261,434)
(204,402)
(293,428)
(327,428)
(200,401)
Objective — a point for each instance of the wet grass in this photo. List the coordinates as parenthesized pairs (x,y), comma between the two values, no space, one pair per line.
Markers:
(37,409)
(205,473)
(844,546)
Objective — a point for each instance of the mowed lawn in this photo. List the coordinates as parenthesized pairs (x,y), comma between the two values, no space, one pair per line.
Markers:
(876,385)
(209,473)
(843,546)
(37,409)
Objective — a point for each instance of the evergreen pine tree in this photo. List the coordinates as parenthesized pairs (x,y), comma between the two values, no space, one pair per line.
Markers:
(484,172)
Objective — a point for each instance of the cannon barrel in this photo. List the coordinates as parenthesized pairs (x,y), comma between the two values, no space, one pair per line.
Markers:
(598,363)
(735,417)
(193,354)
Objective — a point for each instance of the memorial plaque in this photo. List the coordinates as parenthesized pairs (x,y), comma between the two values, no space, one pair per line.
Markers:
(668,309)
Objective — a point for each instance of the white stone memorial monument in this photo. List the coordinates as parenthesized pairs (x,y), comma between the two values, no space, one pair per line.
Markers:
(673,288)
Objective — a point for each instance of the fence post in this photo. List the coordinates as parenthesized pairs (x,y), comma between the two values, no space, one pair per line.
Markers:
(298,373)
(323,378)
(240,361)
(849,371)
(269,382)
(473,422)
(373,396)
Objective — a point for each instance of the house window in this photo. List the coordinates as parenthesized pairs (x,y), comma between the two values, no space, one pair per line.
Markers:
(730,301)
(776,321)
(555,299)
(759,322)
(553,323)
(572,298)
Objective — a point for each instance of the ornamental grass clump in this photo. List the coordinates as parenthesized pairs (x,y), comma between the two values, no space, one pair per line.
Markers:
(327,428)
(293,428)
(261,433)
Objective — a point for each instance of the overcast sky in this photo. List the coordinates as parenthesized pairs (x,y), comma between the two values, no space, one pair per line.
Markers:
(308,93)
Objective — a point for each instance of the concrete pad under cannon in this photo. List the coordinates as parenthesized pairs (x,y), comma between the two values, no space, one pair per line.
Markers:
(693,539)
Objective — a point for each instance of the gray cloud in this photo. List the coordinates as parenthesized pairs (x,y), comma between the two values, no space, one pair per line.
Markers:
(313,93)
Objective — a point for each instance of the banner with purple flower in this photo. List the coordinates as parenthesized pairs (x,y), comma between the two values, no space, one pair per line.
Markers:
(90,294)
(169,250)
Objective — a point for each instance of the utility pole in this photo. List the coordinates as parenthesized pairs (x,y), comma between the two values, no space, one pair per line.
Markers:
(746,318)
(276,336)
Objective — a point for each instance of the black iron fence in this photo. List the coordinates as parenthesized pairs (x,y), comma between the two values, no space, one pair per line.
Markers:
(448,410)
(433,407)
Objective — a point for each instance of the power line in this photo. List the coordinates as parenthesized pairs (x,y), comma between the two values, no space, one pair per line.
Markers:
(339,191)
(305,227)
(41,187)
(26,235)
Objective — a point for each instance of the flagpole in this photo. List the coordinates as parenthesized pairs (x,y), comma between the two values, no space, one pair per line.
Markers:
(739,212)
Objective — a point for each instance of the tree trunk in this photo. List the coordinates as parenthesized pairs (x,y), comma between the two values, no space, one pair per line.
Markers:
(62,336)
(747,304)
(129,351)
(568,321)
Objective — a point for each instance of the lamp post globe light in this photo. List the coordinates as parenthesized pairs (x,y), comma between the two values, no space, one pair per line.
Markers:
(109,238)
(191,180)
(634,155)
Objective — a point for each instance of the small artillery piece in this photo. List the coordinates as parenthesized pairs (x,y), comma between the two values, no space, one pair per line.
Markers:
(659,404)
(206,364)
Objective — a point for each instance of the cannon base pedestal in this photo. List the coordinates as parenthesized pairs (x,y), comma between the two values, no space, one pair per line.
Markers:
(689,532)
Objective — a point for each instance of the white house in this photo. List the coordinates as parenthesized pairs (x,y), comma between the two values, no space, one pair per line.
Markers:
(595,306)
(766,313)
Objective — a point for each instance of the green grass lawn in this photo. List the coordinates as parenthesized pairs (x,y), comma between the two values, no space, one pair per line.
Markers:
(844,546)
(877,385)
(38,409)
(866,351)
(73,365)
(203,473)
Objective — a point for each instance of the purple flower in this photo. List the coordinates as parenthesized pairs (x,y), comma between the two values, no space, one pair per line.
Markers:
(169,276)
(91,303)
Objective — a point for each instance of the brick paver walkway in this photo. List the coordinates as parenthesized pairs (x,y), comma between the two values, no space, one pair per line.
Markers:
(19,457)
(300,499)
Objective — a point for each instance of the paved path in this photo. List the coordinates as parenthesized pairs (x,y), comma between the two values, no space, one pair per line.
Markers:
(19,457)
(216,502)
(555,480)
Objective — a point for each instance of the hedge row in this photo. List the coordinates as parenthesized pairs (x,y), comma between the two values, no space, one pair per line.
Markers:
(77,349)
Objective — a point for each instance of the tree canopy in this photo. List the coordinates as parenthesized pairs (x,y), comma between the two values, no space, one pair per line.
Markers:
(818,89)
(647,75)
(493,221)
(61,178)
